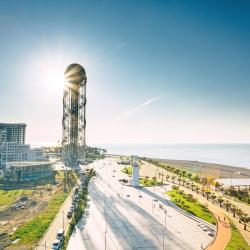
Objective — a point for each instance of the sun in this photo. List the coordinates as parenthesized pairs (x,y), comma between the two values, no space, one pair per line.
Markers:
(48,71)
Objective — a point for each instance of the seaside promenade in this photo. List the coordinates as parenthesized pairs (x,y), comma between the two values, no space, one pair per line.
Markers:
(224,230)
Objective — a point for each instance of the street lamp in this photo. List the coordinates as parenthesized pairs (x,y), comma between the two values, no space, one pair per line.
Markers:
(43,245)
(165,213)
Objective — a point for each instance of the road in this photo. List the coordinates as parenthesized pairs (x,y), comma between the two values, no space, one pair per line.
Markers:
(115,221)
(60,221)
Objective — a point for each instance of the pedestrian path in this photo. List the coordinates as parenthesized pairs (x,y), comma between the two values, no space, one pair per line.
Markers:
(223,231)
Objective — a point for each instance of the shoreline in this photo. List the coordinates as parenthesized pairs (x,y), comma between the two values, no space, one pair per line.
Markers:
(219,171)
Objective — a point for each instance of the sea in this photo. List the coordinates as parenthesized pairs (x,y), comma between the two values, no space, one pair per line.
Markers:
(237,155)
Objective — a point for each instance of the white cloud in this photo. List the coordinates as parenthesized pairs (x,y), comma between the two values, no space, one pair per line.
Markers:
(135,109)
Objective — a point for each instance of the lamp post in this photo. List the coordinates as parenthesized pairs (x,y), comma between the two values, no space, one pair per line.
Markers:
(165,213)
(43,245)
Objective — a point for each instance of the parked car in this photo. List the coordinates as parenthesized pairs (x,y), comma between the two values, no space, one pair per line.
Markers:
(56,245)
(69,214)
(60,235)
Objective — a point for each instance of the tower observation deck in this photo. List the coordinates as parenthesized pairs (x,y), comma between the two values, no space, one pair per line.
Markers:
(74,114)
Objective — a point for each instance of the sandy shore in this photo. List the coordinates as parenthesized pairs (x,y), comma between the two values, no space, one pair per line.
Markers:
(209,169)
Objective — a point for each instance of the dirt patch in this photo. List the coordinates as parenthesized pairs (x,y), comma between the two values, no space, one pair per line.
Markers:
(23,210)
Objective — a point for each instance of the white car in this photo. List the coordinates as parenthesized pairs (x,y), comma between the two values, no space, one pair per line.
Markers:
(56,245)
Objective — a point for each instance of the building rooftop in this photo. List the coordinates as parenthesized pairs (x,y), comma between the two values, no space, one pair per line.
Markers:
(13,124)
(29,163)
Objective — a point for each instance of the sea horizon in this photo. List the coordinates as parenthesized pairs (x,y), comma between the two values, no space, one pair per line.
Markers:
(231,154)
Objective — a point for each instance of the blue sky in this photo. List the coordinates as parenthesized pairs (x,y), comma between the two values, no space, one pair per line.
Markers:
(158,71)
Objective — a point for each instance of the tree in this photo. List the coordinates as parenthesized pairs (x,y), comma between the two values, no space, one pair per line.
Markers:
(217,185)
(227,205)
(179,180)
(203,191)
(167,177)
(213,197)
(233,209)
(177,171)
(240,213)
(183,182)
(183,173)
(208,192)
(197,178)
(220,200)
(197,189)
(245,218)
(173,178)
(189,175)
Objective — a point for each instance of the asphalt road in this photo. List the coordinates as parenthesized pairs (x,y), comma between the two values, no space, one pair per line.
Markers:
(118,218)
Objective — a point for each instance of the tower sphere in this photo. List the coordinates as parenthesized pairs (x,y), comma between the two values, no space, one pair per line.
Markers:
(75,74)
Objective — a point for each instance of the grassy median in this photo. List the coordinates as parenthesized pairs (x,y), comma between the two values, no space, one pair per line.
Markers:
(237,242)
(191,205)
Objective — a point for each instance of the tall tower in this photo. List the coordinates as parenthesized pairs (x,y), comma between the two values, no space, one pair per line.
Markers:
(74,112)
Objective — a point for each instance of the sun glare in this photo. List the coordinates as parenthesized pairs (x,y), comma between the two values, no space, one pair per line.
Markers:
(48,72)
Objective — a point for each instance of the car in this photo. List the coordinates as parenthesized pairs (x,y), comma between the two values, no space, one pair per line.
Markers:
(140,196)
(114,170)
(56,245)
(69,214)
(211,234)
(113,175)
(60,234)
(128,195)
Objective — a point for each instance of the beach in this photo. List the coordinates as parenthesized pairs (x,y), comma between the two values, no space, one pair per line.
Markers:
(209,169)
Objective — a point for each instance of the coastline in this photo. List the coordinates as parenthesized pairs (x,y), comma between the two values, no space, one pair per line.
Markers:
(209,169)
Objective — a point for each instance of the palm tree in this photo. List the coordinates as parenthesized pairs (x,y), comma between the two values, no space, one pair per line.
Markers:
(189,175)
(208,192)
(197,178)
(213,196)
(177,171)
(220,200)
(179,180)
(240,214)
(203,191)
(245,218)
(233,209)
(167,177)
(183,182)
(192,186)
(183,172)
(197,189)
(173,178)
(227,205)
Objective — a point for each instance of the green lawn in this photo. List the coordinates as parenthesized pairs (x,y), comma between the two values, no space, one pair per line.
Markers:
(8,197)
(33,230)
(149,182)
(237,242)
(190,205)
(127,170)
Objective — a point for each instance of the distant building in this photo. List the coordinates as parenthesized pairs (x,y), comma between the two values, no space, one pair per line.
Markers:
(27,171)
(13,147)
(13,132)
